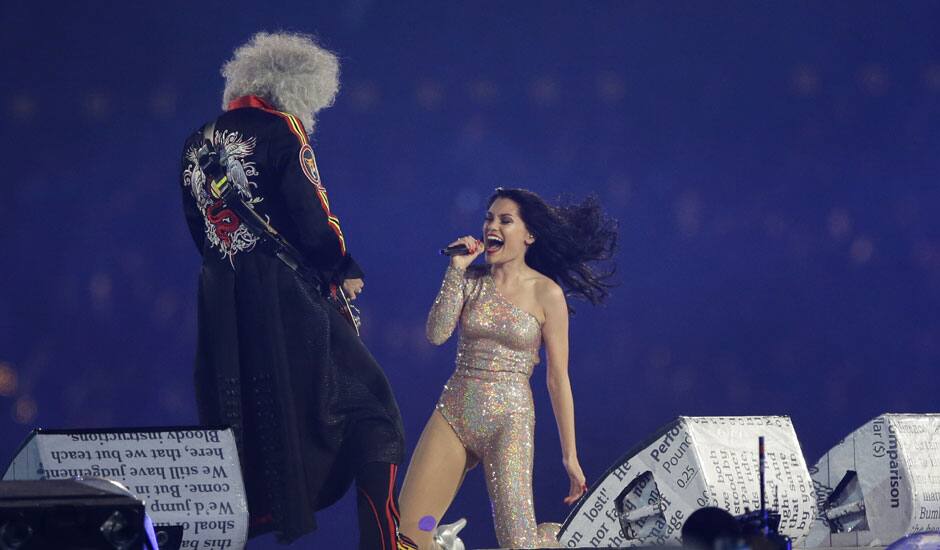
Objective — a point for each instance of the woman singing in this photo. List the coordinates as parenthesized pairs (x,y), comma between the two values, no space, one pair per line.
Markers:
(535,255)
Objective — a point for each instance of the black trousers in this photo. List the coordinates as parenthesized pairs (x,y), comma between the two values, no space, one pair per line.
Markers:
(377,504)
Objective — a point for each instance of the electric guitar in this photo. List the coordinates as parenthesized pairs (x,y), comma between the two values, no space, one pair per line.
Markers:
(341,302)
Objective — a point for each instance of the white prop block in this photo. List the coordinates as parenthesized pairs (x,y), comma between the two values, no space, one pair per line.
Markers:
(691,463)
(185,476)
(880,483)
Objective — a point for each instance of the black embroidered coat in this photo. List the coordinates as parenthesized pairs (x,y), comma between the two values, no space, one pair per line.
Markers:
(307,402)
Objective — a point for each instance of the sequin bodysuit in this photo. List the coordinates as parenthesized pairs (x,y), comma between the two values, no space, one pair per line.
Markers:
(487,401)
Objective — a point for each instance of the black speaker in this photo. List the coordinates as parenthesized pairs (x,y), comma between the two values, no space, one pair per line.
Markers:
(91,514)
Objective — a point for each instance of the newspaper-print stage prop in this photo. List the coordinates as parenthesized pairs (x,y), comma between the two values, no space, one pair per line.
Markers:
(693,462)
(188,477)
(880,483)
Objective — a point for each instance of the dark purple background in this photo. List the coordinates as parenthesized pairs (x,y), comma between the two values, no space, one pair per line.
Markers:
(774,167)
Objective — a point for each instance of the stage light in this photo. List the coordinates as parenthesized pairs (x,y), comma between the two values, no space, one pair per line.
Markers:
(708,527)
(364,96)
(862,250)
(619,190)
(689,213)
(483,91)
(15,533)
(874,80)
(163,103)
(121,532)
(25,409)
(92,514)
(932,78)
(8,380)
(544,91)
(100,287)
(805,81)
(22,107)
(429,95)
(189,477)
(840,224)
(611,87)
(97,105)
(920,541)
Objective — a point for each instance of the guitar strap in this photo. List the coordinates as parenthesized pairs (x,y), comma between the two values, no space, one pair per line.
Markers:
(223,188)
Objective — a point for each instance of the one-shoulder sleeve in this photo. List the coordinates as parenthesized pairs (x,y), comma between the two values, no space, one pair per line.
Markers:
(442,320)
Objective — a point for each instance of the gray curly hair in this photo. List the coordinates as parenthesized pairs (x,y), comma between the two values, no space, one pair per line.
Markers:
(291,71)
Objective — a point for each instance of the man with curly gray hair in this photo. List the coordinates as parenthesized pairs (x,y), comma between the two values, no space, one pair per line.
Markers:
(290,70)
(310,407)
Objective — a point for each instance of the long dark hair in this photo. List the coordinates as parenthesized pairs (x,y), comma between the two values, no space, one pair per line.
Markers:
(574,242)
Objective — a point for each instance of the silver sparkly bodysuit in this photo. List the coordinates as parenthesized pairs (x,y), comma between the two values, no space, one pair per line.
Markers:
(487,401)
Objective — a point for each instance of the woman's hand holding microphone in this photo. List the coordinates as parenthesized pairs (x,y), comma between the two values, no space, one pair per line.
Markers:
(474,249)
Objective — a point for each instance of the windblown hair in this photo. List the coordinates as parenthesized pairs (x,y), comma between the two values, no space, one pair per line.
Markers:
(291,71)
(574,243)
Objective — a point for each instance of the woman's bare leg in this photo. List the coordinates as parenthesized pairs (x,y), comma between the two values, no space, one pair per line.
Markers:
(435,473)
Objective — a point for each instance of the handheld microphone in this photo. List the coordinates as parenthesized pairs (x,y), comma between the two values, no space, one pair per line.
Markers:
(456,250)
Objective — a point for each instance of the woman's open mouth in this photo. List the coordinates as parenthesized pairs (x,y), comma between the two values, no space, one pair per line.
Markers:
(493,244)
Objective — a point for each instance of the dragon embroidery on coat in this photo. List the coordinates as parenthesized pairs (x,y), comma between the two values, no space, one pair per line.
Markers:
(224,230)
